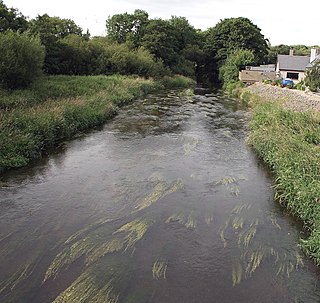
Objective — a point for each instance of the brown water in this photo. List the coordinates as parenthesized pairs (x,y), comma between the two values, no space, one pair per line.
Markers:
(165,204)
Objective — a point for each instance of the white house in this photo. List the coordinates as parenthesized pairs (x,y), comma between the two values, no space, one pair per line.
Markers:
(294,67)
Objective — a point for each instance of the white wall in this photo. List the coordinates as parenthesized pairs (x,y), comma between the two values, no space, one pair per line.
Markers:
(283,74)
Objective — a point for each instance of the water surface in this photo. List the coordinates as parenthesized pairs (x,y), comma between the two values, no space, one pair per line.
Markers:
(166,203)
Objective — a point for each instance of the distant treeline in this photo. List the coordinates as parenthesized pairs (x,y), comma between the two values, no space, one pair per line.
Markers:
(134,44)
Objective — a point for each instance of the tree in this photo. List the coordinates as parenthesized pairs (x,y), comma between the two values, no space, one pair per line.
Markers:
(127,28)
(51,30)
(11,18)
(21,59)
(185,34)
(236,60)
(312,78)
(235,33)
(160,40)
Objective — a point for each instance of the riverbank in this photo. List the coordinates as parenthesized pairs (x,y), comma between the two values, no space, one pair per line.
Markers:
(58,107)
(285,133)
(293,99)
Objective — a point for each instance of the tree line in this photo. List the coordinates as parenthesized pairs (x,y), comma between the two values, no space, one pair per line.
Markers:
(134,44)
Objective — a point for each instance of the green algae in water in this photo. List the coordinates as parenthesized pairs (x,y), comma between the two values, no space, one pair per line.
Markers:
(122,239)
(274,222)
(191,222)
(235,190)
(187,220)
(86,289)
(135,231)
(237,223)
(159,269)
(68,256)
(22,274)
(114,245)
(236,272)
(153,197)
(255,261)
(247,236)
(241,207)
(160,190)
(222,231)
(226,180)
(176,218)
(81,232)
(208,219)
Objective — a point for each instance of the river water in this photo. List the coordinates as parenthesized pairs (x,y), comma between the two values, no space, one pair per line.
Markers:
(166,203)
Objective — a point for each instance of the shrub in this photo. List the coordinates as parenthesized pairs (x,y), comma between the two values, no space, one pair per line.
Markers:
(312,79)
(21,59)
(229,72)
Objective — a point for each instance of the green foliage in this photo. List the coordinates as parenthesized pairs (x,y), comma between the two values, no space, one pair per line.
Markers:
(21,59)
(235,33)
(130,28)
(58,107)
(11,18)
(236,60)
(312,79)
(119,58)
(50,31)
(174,42)
(301,85)
(233,88)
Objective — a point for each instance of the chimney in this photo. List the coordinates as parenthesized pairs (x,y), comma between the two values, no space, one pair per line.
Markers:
(314,53)
(291,52)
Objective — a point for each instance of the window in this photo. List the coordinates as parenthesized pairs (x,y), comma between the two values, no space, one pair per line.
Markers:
(293,76)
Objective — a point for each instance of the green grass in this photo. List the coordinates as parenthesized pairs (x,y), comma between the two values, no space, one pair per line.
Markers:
(58,107)
(289,142)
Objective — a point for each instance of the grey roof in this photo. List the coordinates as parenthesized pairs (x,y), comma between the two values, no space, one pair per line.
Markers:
(314,61)
(295,63)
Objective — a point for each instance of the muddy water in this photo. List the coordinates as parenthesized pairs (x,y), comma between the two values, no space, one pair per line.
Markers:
(166,203)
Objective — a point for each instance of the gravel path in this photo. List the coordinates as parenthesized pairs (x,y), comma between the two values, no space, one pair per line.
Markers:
(294,99)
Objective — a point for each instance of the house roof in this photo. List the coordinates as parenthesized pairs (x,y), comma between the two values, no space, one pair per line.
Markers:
(295,63)
(314,61)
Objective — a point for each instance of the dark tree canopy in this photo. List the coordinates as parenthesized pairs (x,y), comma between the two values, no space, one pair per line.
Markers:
(126,27)
(21,59)
(51,30)
(236,33)
(11,18)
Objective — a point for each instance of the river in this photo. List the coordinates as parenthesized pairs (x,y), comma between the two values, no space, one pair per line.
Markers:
(166,203)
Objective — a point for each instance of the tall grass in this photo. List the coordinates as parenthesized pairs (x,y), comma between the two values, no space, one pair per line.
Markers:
(289,142)
(58,107)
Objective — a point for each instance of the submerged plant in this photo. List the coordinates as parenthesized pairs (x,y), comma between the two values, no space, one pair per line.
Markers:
(236,272)
(87,289)
(254,261)
(159,269)
(187,220)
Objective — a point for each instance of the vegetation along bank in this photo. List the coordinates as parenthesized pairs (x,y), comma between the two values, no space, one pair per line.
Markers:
(287,137)
(58,107)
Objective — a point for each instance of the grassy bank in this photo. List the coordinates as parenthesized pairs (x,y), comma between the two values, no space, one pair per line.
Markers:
(58,107)
(289,142)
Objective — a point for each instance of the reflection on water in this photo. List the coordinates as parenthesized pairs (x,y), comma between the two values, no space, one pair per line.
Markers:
(165,204)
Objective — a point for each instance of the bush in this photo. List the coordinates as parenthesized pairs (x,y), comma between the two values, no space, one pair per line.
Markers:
(21,59)
(229,72)
(312,79)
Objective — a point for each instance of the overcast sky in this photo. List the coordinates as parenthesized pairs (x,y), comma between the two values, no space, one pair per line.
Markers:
(282,22)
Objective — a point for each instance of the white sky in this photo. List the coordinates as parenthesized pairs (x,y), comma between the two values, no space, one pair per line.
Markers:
(282,22)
